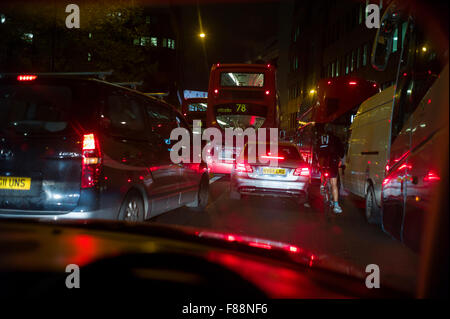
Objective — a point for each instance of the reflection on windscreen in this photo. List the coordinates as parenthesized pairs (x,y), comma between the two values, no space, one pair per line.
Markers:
(242,79)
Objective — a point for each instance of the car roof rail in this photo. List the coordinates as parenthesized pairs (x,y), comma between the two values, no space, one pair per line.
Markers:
(101,75)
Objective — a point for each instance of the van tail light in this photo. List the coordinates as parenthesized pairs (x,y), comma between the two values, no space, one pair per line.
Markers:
(243,168)
(92,161)
(303,171)
(26,77)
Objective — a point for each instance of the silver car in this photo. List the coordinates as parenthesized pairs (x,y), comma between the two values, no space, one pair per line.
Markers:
(289,178)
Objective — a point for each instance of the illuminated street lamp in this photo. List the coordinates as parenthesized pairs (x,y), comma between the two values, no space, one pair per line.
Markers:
(202,35)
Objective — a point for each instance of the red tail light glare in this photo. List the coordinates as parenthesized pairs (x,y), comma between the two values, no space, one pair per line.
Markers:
(329,82)
(431,176)
(352,83)
(303,171)
(293,249)
(260,245)
(218,64)
(385,181)
(26,77)
(231,238)
(268,65)
(267,92)
(326,174)
(216,91)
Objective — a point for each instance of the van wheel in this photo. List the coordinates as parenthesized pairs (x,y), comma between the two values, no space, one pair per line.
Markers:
(202,196)
(373,215)
(132,209)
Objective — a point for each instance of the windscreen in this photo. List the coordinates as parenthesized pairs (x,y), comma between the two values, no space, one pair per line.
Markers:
(243,79)
(39,109)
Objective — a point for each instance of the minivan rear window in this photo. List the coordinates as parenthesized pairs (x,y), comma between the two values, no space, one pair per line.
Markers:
(37,108)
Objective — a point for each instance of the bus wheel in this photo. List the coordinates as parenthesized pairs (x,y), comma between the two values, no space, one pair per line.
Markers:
(373,215)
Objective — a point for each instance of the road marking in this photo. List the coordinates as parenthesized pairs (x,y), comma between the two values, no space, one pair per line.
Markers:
(215,178)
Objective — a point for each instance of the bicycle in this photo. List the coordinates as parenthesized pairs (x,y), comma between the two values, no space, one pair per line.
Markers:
(325,187)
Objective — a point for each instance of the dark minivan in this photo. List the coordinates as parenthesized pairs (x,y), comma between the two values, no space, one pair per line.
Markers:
(84,148)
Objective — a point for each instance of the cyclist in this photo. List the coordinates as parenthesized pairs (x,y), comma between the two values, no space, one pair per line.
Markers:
(329,151)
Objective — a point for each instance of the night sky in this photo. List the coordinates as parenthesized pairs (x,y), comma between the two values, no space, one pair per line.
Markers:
(235,33)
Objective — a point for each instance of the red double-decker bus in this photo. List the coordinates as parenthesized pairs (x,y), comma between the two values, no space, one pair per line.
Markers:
(240,96)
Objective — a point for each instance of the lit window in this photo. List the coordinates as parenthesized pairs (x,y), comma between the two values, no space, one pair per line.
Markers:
(337,67)
(27,37)
(164,43)
(136,41)
(144,41)
(90,35)
(89,57)
(332,70)
(395,40)
(154,41)
(171,43)
(2,18)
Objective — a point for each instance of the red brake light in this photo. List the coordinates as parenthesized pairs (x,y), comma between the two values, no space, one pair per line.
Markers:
(303,171)
(244,168)
(91,163)
(272,157)
(352,83)
(26,77)
(267,92)
(431,176)
(216,91)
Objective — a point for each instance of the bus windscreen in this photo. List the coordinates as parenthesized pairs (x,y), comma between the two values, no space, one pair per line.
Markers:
(241,79)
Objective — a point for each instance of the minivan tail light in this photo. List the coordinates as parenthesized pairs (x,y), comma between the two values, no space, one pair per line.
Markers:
(26,77)
(303,171)
(92,161)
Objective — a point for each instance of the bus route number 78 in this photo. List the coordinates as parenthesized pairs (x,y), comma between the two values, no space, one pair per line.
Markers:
(241,108)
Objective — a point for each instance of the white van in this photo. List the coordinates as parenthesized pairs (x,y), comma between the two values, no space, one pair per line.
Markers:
(393,125)
(366,156)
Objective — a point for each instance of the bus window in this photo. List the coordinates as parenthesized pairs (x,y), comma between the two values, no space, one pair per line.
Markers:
(242,79)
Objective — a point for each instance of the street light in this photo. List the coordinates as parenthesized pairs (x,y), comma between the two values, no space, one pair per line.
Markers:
(202,35)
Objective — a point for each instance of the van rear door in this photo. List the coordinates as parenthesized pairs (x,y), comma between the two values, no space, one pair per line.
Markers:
(41,128)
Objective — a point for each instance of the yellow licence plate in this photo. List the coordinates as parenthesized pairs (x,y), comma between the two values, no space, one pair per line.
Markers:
(274,171)
(16,183)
